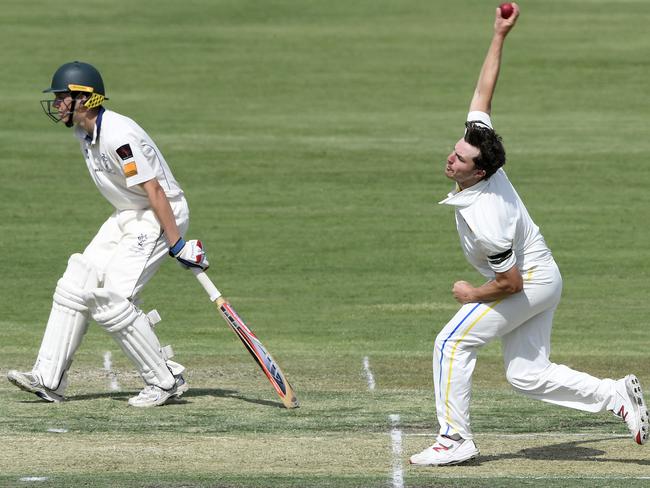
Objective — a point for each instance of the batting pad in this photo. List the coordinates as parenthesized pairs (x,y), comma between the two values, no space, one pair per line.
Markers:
(67,323)
(133,331)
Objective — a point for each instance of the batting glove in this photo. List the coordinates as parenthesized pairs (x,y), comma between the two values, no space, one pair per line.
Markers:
(190,254)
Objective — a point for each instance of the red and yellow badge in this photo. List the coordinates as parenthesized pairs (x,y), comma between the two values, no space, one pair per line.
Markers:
(130,169)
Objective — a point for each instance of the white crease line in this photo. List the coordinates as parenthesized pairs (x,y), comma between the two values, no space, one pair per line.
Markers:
(549,477)
(396,443)
(108,367)
(558,435)
(369,376)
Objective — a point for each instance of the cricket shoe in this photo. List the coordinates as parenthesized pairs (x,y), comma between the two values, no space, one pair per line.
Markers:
(446,451)
(154,396)
(31,383)
(629,405)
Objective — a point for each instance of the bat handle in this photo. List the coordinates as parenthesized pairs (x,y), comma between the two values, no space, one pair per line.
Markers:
(207,284)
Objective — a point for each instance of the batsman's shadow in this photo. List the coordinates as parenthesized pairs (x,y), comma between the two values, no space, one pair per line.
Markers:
(221,393)
(186,398)
(565,451)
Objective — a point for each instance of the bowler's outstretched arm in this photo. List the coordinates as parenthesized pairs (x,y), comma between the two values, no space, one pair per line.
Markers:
(487,80)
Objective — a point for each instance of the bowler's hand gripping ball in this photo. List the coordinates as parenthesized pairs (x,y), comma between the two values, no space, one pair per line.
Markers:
(506,9)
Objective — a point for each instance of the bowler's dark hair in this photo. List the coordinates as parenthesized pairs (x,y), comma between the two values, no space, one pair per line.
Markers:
(492,155)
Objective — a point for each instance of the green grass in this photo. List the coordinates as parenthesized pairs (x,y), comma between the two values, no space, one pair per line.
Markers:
(310,138)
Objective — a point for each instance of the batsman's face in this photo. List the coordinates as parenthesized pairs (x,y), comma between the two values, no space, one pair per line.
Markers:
(460,165)
(62,103)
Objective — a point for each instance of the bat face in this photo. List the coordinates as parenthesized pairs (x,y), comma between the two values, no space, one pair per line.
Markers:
(259,353)
(270,368)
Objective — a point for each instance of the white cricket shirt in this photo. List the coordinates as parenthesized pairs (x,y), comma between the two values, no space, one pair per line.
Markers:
(120,155)
(495,229)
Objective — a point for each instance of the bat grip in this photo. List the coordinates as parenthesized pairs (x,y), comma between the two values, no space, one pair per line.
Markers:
(207,284)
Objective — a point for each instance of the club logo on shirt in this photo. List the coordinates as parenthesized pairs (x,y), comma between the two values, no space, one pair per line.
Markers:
(124,152)
(106,165)
(98,165)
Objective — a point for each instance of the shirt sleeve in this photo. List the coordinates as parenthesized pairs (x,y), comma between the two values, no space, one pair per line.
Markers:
(499,253)
(136,166)
(480,117)
(502,261)
(496,236)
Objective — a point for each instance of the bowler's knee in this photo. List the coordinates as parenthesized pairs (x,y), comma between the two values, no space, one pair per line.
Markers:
(523,379)
(439,344)
(449,347)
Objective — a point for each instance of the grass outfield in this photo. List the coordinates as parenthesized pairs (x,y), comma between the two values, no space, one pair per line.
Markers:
(310,138)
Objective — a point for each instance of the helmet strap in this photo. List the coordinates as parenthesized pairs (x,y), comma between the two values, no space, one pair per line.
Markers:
(69,122)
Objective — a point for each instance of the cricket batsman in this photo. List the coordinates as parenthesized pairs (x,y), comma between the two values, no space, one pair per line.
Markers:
(103,282)
(517,303)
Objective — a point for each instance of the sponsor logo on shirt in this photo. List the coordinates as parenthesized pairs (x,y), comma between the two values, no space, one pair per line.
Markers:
(124,152)
(130,169)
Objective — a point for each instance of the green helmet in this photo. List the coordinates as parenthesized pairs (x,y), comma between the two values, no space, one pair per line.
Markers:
(76,77)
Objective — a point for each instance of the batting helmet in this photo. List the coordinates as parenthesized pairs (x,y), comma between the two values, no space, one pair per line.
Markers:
(75,77)
(79,77)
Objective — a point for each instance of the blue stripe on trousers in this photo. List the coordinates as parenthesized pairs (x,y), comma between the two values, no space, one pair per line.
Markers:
(442,348)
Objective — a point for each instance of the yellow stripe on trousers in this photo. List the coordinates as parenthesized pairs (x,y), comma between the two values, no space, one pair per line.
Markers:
(451,360)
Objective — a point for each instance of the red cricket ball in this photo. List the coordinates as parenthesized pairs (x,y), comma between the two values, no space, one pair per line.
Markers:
(506,9)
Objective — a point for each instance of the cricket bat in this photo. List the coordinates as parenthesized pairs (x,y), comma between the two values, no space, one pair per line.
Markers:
(263,358)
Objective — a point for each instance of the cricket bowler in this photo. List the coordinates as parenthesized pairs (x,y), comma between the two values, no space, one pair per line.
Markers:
(517,303)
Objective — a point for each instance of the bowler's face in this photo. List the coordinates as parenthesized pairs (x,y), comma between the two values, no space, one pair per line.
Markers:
(460,165)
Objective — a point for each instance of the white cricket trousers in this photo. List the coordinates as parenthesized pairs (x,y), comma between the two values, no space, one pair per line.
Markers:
(129,247)
(523,321)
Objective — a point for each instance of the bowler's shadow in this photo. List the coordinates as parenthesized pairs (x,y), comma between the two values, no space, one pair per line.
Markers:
(565,451)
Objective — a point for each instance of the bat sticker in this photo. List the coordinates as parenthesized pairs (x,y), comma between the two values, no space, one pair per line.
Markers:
(255,347)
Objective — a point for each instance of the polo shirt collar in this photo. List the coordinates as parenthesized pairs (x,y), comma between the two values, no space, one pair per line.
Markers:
(466,197)
(98,127)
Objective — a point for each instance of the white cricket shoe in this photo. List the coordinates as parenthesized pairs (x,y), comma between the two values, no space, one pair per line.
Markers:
(154,396)
(446,451)
(629,405)
(31,383)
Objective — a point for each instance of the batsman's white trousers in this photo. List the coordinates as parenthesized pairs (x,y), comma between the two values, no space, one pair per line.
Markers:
(130,247)
(523,321)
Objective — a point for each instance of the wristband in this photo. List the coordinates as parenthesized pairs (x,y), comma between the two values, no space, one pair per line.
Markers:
(176,248)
